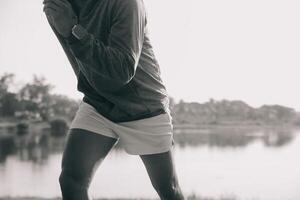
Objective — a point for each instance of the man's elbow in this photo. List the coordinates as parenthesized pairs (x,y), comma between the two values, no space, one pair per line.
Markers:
(121,77)
(121,81)
(114,85)
(117,83)
(128,72)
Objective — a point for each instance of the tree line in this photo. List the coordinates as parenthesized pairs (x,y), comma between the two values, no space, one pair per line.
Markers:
(35,101)
(227,112)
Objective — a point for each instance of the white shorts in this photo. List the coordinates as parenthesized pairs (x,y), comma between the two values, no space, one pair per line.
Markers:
(140,137)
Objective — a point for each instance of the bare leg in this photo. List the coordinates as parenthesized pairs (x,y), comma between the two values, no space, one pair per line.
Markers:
(161,170)
(83,153)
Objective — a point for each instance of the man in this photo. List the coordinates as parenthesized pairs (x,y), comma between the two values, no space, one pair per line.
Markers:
(125,100)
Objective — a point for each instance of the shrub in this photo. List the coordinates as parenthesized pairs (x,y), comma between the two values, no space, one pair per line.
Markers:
(59,127)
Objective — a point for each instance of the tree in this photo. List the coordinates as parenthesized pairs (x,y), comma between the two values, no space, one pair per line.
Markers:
(62,106)
(8,101)
(35,98)
(6,80)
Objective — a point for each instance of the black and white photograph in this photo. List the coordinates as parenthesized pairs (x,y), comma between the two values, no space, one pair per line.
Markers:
(149,100)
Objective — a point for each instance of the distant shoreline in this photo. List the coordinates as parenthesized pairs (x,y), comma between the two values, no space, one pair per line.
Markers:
(234,126)
(182,128)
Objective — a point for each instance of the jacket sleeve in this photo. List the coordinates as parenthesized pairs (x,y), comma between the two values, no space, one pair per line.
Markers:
(68,53)
(110,66)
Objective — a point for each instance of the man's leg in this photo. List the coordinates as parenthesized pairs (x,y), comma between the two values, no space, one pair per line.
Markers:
(161,170)
(83,153)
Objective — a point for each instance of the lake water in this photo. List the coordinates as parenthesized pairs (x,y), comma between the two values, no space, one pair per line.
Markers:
(254,165)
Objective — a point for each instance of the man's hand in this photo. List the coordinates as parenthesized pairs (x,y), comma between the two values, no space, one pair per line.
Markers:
(61,15)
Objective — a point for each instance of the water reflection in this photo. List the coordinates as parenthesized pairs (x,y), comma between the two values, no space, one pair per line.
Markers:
(231,138)
(7,147)
(37,147)
(209,162)
(278,138)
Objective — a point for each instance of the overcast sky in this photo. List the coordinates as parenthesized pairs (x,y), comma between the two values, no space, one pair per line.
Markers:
(221,49)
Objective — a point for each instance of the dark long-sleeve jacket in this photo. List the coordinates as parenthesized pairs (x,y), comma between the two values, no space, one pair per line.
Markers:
(114,63)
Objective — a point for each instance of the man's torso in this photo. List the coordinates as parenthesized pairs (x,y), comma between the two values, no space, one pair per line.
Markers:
(145,95)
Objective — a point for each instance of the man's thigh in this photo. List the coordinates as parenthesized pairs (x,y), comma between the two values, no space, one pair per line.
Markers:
(160,167)
(161,170)
(84,151)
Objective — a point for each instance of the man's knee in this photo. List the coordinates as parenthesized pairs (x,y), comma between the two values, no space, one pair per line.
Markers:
(71,187)
(168,190)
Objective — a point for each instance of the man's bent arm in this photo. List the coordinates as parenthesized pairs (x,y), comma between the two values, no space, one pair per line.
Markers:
(67,52)
(109,67)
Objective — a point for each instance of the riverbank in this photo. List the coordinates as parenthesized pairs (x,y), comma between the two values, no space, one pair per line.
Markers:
(10,128)
(238,128)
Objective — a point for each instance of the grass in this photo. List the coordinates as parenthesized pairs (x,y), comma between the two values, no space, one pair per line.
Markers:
(35,198)
(191,197)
